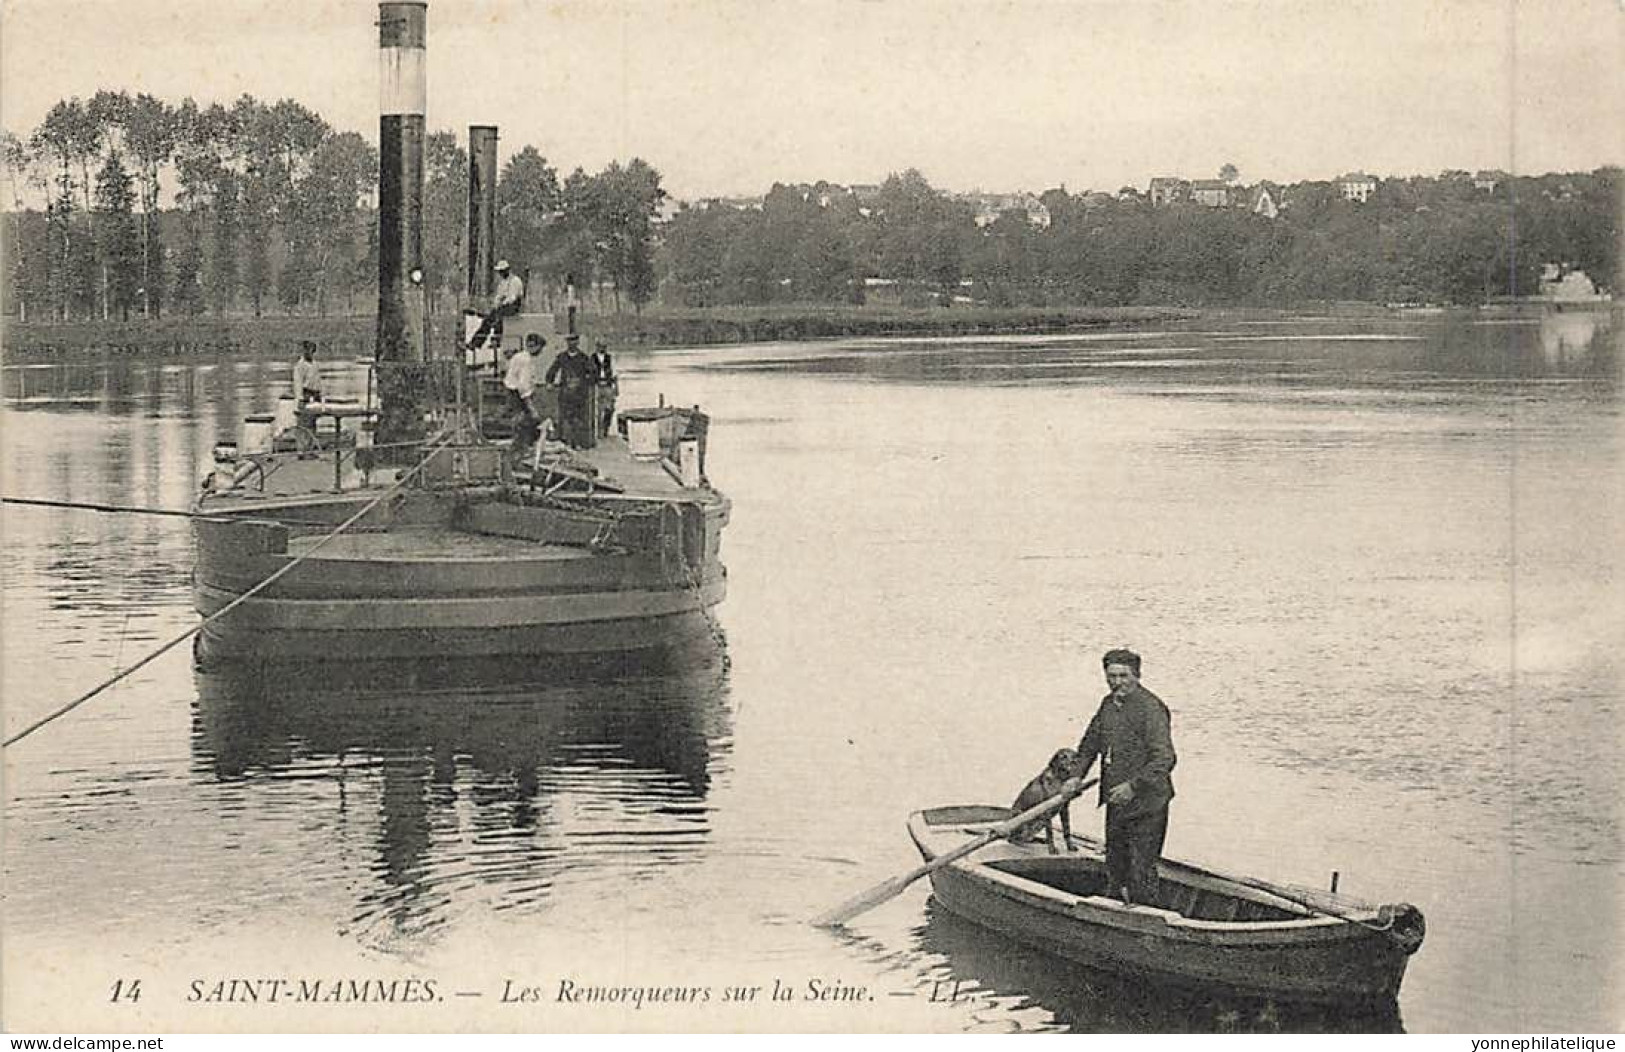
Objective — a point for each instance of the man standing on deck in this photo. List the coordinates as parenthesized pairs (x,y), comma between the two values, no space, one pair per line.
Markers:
(607,387)
(307,375)
(575,374)
(520,383)
(510,294)
(1131,735)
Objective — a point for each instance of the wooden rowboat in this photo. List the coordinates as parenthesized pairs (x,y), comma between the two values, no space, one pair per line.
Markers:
(1243,935)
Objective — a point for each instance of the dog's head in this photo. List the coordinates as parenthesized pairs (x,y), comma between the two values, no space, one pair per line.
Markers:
(1064,764)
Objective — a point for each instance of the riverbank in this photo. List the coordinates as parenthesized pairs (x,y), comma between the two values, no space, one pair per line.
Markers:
(352,336)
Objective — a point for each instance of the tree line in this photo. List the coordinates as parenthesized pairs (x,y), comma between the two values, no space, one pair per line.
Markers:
(152,208)
(132,206)
(1444,239)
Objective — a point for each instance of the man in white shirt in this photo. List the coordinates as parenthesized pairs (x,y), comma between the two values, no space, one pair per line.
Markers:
(510,296)
(520,383)
(307,375)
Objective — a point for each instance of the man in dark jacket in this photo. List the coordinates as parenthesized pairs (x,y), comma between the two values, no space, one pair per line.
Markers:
(1130,733)
(606,389)
(575,375)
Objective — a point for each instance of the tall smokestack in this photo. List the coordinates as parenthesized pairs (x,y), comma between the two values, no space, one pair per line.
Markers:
(482,210)
(402,35)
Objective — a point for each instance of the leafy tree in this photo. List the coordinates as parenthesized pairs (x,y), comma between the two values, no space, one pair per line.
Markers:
(696,244)
(577,251)
(528,201)
(826,260)
(119,238)
(210,169)
(149,133)
(324,222)
(60,138)
(26,235)
(224,261)
(197,168)
(445,204)
(622,206)
(279,144)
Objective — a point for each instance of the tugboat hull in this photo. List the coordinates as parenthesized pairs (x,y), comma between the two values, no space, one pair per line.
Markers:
(432,576)
(606,636)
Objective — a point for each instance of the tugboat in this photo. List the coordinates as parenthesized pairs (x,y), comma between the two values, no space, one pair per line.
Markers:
(436,541)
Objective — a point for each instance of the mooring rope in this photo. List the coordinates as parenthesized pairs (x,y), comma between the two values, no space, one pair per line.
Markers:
(195,629)
(122,509)
(135,509)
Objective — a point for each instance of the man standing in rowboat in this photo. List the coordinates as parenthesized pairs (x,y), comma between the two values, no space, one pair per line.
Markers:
(1131,735)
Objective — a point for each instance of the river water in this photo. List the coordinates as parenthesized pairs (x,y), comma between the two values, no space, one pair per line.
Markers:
(1372,564)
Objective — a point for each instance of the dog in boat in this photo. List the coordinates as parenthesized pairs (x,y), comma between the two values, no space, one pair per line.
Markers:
(1063,767)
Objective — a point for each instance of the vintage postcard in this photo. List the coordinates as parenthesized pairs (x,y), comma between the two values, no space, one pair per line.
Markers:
(833,516)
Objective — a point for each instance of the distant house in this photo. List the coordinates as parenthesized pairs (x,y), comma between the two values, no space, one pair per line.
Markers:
(1213,193)
(1561,284)
(667,210)
(1263,202)
(1167,190)
(738,204)
(1356,186)
(989,207)
(1488,181)
(867,195)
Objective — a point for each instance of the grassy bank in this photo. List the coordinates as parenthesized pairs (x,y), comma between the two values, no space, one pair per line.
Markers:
(278,337)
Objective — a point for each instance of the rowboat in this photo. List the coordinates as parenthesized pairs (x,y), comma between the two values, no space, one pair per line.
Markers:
(1235,933)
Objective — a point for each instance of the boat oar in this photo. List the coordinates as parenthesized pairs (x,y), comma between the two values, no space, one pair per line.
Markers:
(892,888)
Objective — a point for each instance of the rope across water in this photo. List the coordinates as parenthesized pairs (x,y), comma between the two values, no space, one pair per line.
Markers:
(195,629)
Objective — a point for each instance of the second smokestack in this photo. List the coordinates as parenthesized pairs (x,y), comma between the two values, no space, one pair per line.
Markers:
(482,212)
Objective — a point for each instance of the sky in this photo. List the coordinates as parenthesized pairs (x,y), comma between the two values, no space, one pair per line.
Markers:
(728,96)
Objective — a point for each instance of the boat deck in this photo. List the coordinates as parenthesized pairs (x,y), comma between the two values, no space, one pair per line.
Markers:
(309,479)
(640,478)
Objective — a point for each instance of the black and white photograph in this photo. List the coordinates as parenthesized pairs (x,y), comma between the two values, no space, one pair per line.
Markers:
(812,516)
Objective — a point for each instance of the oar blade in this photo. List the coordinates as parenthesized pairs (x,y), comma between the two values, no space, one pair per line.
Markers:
(894,887)
(863,903)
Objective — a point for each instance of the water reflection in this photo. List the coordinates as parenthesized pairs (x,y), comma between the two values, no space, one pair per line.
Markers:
(453,780)
(1465,346)
(120,387)
(1014,979)
(1568,338)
